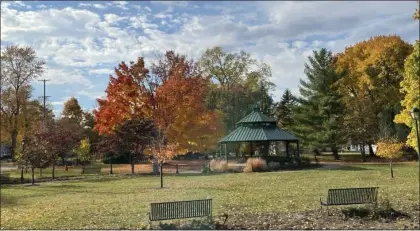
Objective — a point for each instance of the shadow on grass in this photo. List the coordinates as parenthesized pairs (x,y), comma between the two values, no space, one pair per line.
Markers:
(7,200)
(349,168)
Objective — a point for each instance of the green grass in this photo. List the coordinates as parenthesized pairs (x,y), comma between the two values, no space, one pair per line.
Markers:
(122,202)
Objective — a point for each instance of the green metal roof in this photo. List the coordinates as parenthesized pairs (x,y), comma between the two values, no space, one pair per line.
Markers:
(257,127)
(256,117)
(245,133)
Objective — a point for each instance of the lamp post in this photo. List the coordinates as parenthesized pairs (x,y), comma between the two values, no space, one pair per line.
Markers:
(415,114)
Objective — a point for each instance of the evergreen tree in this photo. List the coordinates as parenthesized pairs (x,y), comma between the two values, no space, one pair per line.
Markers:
(283,110)
(319,116)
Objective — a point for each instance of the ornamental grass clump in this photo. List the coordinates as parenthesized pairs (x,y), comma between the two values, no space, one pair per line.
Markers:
(389,149)
(256,165)
(218,166)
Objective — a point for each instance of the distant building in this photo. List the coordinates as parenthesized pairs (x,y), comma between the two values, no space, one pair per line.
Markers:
(358,148)
(5,150)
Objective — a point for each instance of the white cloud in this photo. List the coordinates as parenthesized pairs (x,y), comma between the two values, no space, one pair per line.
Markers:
(63,76)
(91,95)
(54,103)
(96,5)
(80,38)
(19,3)
(41,6)
(99,6)
(121,4)
(101,71)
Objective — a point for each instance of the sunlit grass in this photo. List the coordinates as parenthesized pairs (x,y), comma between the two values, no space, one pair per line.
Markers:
(122,202)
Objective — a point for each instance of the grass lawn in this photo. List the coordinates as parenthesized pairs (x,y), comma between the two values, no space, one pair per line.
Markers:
(108,202)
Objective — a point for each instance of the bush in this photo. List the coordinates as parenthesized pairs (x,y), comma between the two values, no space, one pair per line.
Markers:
(256,165)
(274,166)
(218,165)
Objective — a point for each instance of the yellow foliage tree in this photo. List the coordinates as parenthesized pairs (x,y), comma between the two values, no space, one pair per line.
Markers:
(389,149)
(371,87)
(410,87)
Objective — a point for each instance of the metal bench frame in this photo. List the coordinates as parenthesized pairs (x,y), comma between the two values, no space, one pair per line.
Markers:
(91,170)
(180,210)
(351,196)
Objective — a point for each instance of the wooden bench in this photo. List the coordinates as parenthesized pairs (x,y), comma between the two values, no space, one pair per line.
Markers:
(351,196)
(91,170)
(180,210)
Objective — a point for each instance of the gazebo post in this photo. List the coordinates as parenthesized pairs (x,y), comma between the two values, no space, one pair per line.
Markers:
(226,153)
(250,148)
(297,148)
(287,148)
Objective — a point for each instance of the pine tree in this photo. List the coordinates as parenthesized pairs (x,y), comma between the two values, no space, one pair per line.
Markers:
(319,115)
(283,110)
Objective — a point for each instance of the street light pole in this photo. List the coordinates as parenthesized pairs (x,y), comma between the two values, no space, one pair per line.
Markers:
(415,114)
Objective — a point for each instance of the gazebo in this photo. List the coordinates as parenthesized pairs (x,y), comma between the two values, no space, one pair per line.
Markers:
(258,128)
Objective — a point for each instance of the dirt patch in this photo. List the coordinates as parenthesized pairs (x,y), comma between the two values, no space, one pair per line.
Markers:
(315,219)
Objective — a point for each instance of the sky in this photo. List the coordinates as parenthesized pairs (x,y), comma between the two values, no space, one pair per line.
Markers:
(82,42)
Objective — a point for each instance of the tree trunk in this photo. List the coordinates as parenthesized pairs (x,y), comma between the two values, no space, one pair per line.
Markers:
(335,153)
(371,153)
(26,169)
(132,165)
(161,175)
(392,171)
(33,175)
(14,142)
(53,170)
(21,175)
(110,171)
(363,152)
(317,152)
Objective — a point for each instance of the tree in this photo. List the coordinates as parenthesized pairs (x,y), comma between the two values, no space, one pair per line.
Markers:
(83,151)
(240,83)
(171,96)
(65,136)
(72,110)
(373,70)
(109,148)
(34,150)
(31,113)
(19,66)
(390,149)
(88,125)
(416,14)
(319,115)
(134,136)
(410,88)
(162,151)
(124,98)
(283,110)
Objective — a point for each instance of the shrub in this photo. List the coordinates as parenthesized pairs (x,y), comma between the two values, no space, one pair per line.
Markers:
(218,165)
(255,165)
(274,166)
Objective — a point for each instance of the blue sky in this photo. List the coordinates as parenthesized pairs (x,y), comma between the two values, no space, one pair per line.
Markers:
(83,41)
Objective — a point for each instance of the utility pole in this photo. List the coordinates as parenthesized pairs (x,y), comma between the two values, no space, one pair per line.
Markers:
(45,98)
(45,116)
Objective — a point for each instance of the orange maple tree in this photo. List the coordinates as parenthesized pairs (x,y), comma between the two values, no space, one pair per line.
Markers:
(172,95)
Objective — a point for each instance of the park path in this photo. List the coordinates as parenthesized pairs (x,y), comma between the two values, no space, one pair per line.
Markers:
(7,168)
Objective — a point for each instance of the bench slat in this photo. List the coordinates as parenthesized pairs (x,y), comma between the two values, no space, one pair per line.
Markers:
(180,209)
(347,196)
